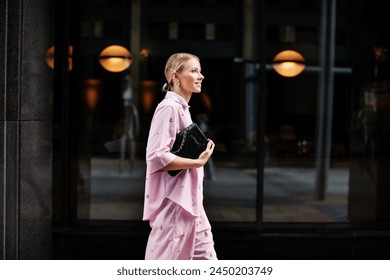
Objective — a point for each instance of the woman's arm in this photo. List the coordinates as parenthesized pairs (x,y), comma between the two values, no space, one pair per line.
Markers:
(185,163)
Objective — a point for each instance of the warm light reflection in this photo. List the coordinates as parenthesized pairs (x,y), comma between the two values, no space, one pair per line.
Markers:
(50,57)
(206,100)
(288,63)
(148,94)
(115,58)
(144,53)
(379,53)
(92,87)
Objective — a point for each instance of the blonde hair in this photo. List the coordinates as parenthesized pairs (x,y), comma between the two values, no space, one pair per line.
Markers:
(175,63)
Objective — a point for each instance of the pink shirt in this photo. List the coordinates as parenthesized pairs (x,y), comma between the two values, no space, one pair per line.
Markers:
(186,188)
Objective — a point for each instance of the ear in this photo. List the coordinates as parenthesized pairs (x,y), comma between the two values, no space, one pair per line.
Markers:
(175,77)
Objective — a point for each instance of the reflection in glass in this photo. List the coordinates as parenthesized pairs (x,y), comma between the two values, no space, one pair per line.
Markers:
(118,171)
(50,57)
(115,58)
(289,195)
(368,197)
(289,63)
(290,164)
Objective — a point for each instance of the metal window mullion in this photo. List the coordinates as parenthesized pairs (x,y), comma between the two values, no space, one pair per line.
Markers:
(325,96)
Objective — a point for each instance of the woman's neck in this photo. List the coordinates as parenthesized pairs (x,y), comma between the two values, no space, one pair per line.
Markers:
(186,96)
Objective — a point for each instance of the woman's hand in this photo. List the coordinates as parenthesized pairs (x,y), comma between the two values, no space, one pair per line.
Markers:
(206,154)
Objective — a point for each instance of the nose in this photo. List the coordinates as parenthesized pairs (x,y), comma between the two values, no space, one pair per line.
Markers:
(201,76)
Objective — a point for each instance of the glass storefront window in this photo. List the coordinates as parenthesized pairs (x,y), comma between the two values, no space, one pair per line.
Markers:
(109,114)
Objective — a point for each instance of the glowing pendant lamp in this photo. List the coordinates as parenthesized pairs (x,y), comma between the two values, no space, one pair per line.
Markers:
(115,58)
(288,63)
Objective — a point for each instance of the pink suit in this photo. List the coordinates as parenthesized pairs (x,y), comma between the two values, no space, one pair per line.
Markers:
(174,204)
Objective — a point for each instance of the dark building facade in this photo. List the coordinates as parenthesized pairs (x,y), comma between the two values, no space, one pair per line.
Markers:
(301,163)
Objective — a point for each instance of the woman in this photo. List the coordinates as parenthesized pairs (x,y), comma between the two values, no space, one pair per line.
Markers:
(173,205)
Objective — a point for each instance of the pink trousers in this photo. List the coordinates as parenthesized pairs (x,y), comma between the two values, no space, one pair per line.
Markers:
(177,235)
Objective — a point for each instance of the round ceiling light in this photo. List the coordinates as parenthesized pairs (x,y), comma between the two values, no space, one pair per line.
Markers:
(115,58)
(288,63)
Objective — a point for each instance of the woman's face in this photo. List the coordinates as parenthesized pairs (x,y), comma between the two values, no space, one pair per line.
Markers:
(190,78)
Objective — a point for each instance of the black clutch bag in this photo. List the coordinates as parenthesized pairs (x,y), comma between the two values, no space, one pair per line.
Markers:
(189,143)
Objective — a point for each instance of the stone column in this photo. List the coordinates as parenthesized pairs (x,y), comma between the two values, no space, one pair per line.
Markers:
(26,32)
